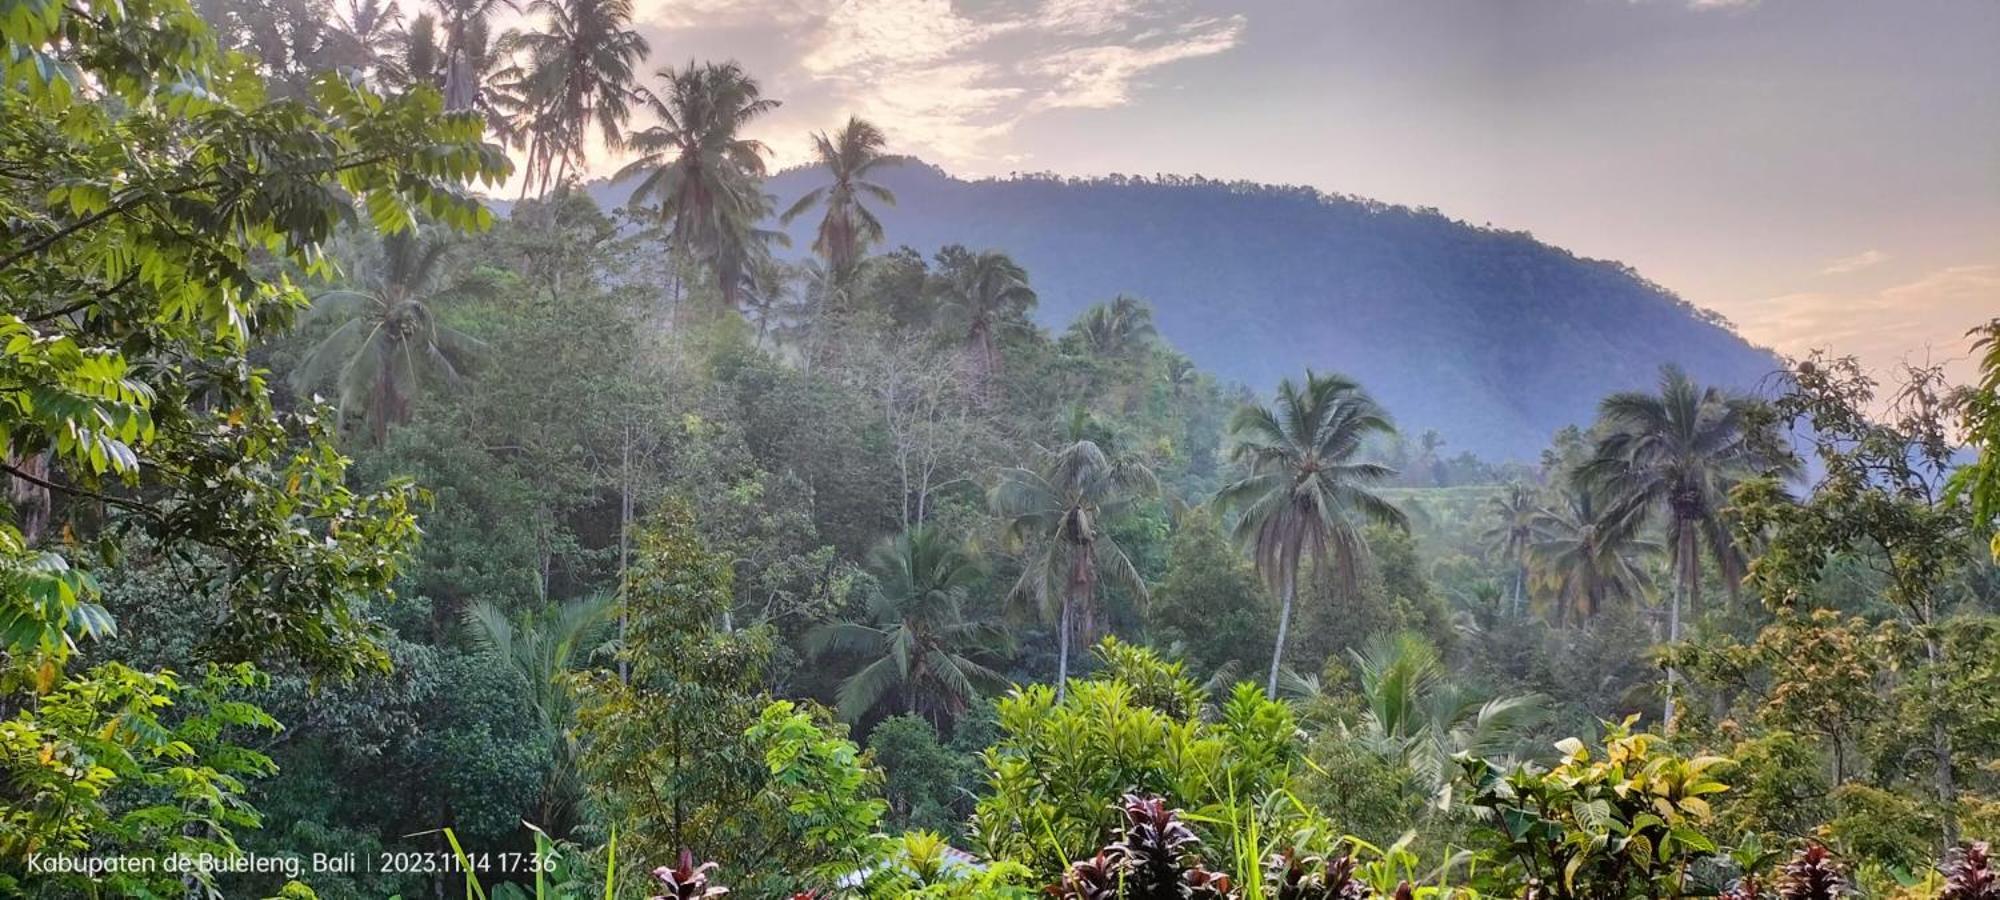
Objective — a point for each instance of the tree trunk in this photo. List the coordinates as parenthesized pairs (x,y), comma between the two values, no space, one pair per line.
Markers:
(1284,631)
(31,501)
(1683,585)
(624,551)
(1062,649)
(1947,786)
(1520,589)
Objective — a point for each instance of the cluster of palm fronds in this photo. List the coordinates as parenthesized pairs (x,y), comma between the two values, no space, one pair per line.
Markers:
(544,90)
(1654,481)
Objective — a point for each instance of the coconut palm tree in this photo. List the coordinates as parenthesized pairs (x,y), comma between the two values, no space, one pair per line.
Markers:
(985,291)
(578,76)
(1414,715)
(1061,514)
(848,227)
(362,33)
(540,650)
(917,645)
(415,54)
(702,175)
(1118,329)
(1306,494)
(424,52)
(1512,534)
(390,341)
(1678,453)
(744,249)
(467,58)
(1587,551)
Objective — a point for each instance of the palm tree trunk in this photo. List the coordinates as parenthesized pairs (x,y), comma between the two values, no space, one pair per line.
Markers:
(1520,589)
(1683,585)
(1284,631)
(1062,649)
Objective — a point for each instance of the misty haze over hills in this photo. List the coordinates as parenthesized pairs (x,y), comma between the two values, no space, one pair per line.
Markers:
(1491,337)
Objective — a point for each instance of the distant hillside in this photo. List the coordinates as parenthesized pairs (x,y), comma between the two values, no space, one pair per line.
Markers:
(1490,337)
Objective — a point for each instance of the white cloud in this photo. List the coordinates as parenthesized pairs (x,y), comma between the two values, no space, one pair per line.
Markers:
(1921,321)
(947,82)
(1102,76)
(1855,263)
(729,13)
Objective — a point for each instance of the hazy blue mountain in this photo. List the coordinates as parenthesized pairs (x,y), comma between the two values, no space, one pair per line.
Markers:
(1491,337)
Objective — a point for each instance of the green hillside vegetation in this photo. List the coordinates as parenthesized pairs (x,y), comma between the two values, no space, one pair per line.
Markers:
(581,552)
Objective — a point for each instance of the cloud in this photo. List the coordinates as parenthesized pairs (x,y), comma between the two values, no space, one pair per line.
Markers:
(1855,263)
(949,80)
(1102,76)
(1921,321)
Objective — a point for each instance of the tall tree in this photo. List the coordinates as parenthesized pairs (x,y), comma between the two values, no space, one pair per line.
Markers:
(1306,493)
(1061,514)
(1587,552)
(1679,452)
(985,291)
(467,49)
(540,650)
(704,177)
(364,30)
(918,645)
(156,196)
(578,76)
(1511,535)
(1118,329)
(1884,499)
(848,227)
(1979,414)
(389,340)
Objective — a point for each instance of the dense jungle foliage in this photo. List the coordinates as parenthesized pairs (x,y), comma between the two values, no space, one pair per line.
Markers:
(587,552)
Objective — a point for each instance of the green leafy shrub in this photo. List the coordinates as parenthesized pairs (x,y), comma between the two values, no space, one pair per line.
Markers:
(1057,761)
(1628,821)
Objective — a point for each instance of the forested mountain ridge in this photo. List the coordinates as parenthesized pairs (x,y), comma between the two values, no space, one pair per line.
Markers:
(1491,337)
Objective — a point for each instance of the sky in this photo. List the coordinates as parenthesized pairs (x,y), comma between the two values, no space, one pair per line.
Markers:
(1824,173)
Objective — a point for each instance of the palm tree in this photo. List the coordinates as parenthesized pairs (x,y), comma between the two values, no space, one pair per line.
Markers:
(579,72)
(1586,551)
(742,251)
(363,31)
(1306,494)
(1513,533)
(390,340)
(919,646)
(467,58)
(1679,453)
(703,175)
(425,52)
(848,227)
(540,651)
(985,291)
(1416,716)
(1061,513)
(416,55)
(1118,329)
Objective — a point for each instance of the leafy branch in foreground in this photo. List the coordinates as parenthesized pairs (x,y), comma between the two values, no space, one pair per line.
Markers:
(159,205)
